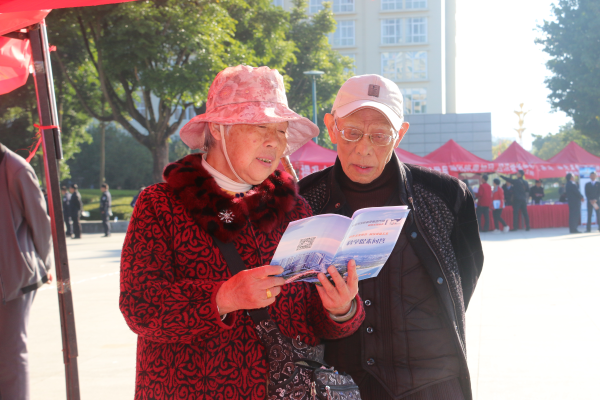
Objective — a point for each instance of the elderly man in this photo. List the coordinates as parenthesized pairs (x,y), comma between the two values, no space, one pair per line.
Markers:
(412,343)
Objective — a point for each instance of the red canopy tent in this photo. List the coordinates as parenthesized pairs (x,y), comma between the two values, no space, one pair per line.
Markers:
(458,159)
(24,48)
(572,157)
(311,158)
(410,158)
(515,157)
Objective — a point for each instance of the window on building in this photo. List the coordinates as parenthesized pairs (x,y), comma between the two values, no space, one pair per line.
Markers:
(353,57)
(391,4)
(415,101)
(177,113)
(404,66)
(416,30)
(391,31)
(343,35)
(277,3)
(416,4)
(338,6)
(190,113)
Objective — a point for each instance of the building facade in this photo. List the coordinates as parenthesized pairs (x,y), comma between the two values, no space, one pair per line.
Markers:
(411,42)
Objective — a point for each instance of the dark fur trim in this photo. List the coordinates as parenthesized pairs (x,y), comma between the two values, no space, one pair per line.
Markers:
(265,205)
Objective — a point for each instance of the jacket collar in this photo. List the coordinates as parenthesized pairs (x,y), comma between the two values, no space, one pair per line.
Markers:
(2,152)
(223,215)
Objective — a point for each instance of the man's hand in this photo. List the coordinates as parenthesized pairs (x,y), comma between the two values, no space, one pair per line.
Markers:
(250,289)
(337,299)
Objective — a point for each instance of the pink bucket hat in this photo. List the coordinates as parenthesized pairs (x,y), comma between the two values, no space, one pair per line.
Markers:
(249,95)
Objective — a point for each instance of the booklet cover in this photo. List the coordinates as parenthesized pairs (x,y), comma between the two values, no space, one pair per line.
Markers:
(311,245)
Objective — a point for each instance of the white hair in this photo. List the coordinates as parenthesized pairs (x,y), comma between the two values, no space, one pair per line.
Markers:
(209,140)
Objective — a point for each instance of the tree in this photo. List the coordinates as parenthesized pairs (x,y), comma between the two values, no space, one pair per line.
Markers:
(573,43)
(548,146)
(151,60)
(18,113)
(499,145)
(314,52)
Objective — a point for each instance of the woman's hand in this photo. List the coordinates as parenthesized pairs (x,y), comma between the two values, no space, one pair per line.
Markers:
(337,299)
(248,289)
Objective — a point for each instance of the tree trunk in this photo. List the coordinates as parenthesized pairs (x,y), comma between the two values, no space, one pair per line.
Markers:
(102,152)
(160,158)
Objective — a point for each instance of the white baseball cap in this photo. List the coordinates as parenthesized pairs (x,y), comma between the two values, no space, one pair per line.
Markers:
(370,91)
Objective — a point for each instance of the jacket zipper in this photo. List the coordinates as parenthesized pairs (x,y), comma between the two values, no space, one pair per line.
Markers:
(410,199)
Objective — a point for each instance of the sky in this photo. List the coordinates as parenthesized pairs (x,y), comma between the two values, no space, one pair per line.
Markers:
(498,65)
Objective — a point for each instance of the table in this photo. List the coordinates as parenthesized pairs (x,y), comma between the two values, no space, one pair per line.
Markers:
(540,216)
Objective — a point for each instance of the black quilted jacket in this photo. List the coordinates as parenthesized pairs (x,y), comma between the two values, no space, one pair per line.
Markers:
(443,231)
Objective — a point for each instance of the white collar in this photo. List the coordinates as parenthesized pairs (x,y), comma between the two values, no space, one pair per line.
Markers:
(223,181)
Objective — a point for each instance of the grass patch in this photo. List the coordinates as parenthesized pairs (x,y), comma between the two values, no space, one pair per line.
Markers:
(121,203)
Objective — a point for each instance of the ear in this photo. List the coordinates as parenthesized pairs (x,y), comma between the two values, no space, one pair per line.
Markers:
(401,133)
(329,122)
(215,130)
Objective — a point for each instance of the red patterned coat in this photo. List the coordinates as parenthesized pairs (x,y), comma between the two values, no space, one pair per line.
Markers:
(171,271)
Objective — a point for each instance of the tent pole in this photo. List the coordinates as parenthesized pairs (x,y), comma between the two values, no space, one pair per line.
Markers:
(52,153)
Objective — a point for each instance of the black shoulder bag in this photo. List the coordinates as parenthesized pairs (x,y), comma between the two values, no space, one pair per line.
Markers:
(297,370)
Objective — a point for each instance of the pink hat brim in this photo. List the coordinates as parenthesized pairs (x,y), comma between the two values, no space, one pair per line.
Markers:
(300,129)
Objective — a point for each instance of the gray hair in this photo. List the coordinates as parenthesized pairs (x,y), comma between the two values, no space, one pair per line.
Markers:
(209,140)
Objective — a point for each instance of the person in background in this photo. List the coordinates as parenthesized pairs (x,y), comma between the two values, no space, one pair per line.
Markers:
(105,211)
(574,198)
(75,208)
(519,200)
(508,193)
(136,197)
(484,201)
(537,192)
(592,193)
(561,189)
(25,262)
(466,182)
(498,204)
(66,197)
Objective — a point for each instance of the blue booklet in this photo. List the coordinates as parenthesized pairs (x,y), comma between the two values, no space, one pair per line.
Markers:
(311,245)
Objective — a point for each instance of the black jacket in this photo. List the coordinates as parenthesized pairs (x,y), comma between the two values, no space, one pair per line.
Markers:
(592,190)
(444,234)
(105,203)
(573,194)
(537,193)
(75,205)
(520,188)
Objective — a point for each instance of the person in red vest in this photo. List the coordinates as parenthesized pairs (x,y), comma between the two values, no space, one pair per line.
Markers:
(484,201)
(498,204)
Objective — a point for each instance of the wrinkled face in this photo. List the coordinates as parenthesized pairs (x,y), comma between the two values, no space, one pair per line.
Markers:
(362,161)
(254,150)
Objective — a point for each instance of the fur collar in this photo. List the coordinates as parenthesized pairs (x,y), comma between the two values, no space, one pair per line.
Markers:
(222,215)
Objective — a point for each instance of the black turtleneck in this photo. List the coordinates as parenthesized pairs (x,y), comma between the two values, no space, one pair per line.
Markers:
(377,193)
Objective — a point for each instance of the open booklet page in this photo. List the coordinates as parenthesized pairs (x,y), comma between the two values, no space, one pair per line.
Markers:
(311,245)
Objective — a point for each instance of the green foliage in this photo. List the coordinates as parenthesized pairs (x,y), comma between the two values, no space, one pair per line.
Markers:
(121,203)
(573,43)
(128,165)
(499,145)
(548,146)
(18,113)
(315,53)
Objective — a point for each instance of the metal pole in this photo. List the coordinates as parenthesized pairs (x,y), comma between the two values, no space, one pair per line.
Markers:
(314,97)
(52,153)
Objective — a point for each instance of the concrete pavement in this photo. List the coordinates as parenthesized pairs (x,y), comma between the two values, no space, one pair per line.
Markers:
(532,325)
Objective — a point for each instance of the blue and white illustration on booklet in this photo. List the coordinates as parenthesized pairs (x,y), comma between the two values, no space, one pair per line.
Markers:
(311,245)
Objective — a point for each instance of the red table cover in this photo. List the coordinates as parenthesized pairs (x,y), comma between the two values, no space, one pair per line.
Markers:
(540,216)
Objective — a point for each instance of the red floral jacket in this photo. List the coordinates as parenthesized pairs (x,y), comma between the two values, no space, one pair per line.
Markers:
(171,271)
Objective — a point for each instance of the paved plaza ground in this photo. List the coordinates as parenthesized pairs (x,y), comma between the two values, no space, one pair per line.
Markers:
(532,327)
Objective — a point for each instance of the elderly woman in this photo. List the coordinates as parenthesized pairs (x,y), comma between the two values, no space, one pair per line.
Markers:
(195,340)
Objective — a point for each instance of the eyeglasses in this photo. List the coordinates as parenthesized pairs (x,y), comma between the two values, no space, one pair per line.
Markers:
(354,135)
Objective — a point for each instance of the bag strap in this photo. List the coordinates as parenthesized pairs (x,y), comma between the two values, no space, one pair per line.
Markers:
(236,265)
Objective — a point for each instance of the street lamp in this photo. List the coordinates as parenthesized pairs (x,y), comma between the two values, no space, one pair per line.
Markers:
(314,75)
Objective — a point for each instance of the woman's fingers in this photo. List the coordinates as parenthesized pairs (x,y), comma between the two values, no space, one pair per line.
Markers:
(327,286)
(340,284)
(352,279)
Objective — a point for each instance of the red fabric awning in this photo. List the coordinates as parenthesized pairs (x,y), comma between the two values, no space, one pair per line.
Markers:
(311,158)
(410,158)
(458,159)
(7,6)
(515,157)
(572,157)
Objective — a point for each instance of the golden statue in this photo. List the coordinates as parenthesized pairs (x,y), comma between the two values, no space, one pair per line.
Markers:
(521,114)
